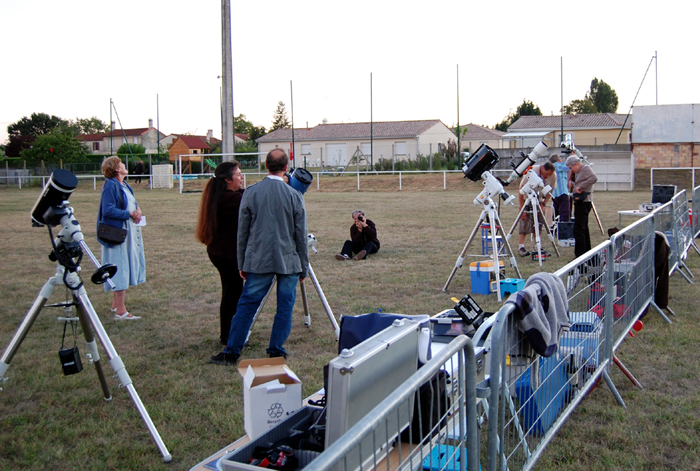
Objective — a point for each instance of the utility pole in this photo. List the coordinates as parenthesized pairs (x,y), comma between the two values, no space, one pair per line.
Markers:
(227,144)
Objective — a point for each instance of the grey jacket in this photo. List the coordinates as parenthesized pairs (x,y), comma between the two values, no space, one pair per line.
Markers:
(586,178)
(272,234)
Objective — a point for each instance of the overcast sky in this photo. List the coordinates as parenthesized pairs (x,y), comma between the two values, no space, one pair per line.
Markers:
(69,58)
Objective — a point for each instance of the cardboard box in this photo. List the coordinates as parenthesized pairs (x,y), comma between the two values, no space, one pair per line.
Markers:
(271,393)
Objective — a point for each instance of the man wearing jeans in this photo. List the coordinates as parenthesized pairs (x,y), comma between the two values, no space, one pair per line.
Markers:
(272,242)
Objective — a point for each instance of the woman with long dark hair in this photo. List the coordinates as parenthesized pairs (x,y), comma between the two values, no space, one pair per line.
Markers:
(217,228)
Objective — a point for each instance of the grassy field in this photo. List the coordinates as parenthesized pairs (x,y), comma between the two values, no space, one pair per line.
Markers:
(48,420)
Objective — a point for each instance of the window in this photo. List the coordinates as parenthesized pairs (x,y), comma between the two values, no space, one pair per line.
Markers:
(306,149)
(136,140)
(400,148)
(95,146)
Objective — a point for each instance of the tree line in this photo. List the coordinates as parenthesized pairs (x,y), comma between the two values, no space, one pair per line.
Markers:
(600,98)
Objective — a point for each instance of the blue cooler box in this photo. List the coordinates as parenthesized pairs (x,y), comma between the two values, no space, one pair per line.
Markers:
(482,274)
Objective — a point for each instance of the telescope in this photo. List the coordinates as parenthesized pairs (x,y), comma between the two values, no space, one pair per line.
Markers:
(477,167)
(535,184)
(57,190)
(528,161)
(300,179)
(569,148)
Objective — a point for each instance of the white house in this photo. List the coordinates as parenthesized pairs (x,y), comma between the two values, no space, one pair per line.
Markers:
(335,144)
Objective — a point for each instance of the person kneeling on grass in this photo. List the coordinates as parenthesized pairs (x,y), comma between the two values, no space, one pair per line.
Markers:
(364,239)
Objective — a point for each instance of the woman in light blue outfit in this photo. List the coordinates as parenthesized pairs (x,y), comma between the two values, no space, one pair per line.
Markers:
(118,208)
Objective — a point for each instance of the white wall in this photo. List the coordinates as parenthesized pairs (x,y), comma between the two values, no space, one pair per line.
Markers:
(666,124)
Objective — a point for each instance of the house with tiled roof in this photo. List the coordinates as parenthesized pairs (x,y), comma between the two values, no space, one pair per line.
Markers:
(209,137)
(107,143)
(476,135)
(335,144)
(586,130)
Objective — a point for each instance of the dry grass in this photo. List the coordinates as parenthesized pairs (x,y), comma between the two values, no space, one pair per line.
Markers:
(47,419)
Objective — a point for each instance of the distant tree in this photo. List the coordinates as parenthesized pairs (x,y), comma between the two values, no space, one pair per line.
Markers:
(56,146)
(242,126)
(16,144)
(603,97)
(580,107)
(279,119)
(90,125)
(600,98)
(36,125)
(128,150)
(248,146)
(526,108)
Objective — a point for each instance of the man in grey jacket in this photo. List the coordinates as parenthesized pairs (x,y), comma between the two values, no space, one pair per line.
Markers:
(272,242)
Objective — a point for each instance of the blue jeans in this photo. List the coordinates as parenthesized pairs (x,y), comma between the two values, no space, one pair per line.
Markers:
(254,290)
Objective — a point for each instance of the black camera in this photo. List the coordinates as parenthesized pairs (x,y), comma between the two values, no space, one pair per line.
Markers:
(360,218)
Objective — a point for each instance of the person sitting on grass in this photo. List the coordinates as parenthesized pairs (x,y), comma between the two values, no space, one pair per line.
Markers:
(363,235)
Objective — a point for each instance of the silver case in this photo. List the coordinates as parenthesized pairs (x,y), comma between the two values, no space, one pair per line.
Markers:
(359,381)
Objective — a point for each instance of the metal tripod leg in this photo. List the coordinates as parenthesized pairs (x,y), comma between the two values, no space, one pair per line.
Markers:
(460,259)
(515,223)
(26,324)
(260,308)
(87,314)
(324,302)
(597,218)
(509,249)
(120,371)
(550,233)
(91,345)
(304,297)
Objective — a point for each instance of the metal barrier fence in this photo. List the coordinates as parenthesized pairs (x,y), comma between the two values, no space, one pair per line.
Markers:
(608,289)
(696,211)
(445,443)
(682,238)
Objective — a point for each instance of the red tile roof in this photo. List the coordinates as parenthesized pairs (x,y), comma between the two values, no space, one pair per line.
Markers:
(194,142)
(389,129)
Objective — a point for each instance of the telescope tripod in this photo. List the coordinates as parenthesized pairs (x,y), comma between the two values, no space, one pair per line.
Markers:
(490,215)
(533,201)
(67,273)
(302,286)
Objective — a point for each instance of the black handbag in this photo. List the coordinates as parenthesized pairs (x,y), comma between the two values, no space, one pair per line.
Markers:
(580,197)
(110,234)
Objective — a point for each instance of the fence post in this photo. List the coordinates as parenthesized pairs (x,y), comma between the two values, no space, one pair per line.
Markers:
(318,180)
(358,181)
(399,181)
(444,180)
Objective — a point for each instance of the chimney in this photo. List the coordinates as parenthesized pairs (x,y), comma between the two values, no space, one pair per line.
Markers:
(210,134)
(307,125)
(150,122)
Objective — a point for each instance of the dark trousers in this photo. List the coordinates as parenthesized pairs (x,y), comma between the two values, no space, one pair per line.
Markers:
(581,234)
(231,289)
(562,207)
(349,248)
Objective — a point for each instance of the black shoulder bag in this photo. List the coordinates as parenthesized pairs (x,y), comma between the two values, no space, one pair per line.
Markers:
(110,234)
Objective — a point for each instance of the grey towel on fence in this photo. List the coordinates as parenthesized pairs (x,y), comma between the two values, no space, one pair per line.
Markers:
(542,317)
